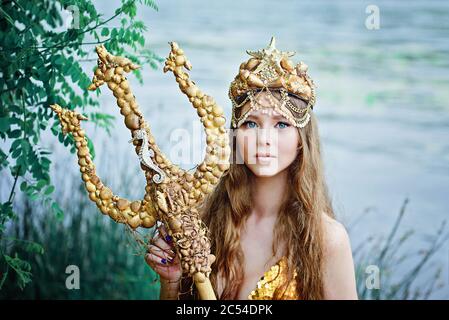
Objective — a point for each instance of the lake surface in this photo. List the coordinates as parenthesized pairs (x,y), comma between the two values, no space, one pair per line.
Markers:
(382,97)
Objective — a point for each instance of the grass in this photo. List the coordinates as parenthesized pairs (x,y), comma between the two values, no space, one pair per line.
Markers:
(401,273)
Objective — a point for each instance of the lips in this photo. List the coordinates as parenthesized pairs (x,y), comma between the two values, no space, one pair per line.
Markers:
(264,155)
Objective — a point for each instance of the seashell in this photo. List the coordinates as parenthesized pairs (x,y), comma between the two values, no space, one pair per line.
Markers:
(90,187)
(132,103)
(119,70)
(209,176)
(117,78)
(175,224)
(83,151)
(180,60)
(202,167)
(208,124)
(277,83)
(217,172)
(134,222)
(217,111)
(208,101)
(219,121)
(104,209)
(135,206)
(223,166)
(118,92)
(244,74)
(148,222)
(162,204)
(210,138)
(132,121)
(126,110)
(105,193)
(191,91)
(129,97)
(122,204)
(210,159)
(95,180)
(206,188)
(92,196)
(108,74)
(201,112)
(113,213)
(197,102)
(252,63)
(255,80)
(122,102)
(301,68)
(287,64)
(192,271)
(199,94)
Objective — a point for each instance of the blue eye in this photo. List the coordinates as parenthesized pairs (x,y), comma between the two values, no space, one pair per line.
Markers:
(249,124)
(283,125)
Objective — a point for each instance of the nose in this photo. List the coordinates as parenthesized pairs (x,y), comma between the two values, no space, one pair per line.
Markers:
(266,137)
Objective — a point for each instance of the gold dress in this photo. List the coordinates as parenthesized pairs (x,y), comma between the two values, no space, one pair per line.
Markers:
(271,279)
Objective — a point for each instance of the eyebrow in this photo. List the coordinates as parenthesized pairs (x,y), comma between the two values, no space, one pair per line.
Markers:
(277,117)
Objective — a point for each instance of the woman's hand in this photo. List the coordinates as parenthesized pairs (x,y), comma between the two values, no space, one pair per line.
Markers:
(162,258)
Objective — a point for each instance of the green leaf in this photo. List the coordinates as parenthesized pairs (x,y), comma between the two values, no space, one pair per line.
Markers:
(5,123)
(49,190)
(105,32)
(91,147)
(57,210)
(23,186)
(33,247)
(22,269)
(41,184)
(6,16)
(15,133)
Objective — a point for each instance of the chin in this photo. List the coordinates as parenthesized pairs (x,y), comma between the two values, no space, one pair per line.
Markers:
(265,171)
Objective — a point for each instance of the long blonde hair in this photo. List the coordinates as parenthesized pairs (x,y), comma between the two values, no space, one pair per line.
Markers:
(298,225)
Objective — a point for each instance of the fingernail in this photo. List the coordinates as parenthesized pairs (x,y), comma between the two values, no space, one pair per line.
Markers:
(168,238)
(164,261)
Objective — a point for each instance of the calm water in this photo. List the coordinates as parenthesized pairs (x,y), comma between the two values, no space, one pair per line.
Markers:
(382,104)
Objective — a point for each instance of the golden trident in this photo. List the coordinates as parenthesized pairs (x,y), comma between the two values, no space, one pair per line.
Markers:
(172,195)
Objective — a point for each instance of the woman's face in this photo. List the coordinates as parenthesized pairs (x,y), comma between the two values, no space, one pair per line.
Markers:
(267,143)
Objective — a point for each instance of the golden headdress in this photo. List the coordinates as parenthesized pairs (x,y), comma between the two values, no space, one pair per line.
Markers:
(267,69)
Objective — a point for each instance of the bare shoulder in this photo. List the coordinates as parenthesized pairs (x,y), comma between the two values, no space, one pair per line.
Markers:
(335,235)
(339,274)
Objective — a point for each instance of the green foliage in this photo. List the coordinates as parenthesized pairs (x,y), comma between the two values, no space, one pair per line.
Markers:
(110,264)
(41,59)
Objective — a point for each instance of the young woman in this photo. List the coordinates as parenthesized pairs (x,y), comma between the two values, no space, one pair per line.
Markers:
(270,218)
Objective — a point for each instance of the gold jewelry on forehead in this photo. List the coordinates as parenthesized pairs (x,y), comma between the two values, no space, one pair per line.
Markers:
(267,69)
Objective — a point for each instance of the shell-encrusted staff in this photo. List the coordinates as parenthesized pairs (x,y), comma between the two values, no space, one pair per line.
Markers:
(172,194)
